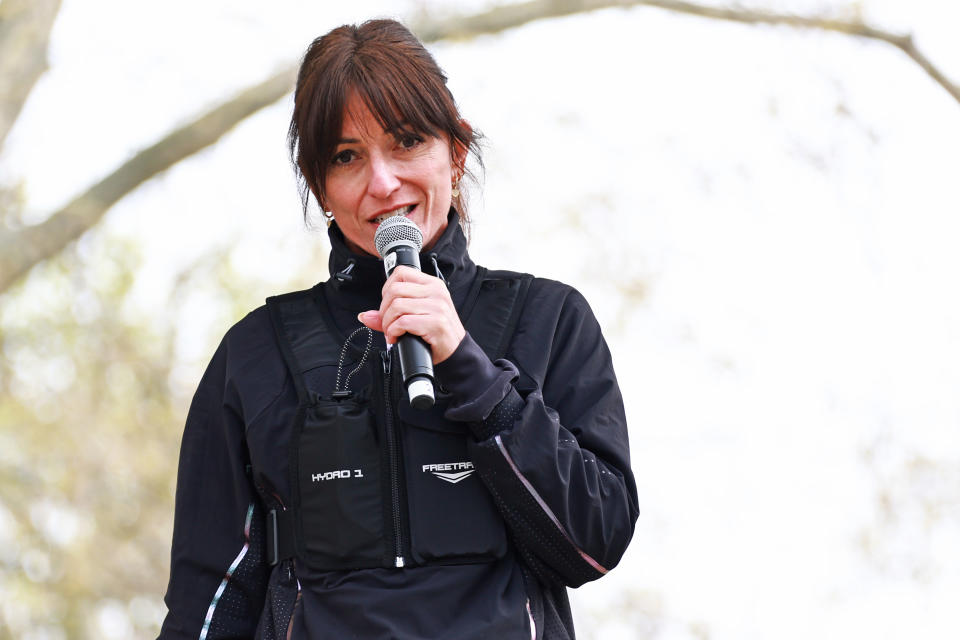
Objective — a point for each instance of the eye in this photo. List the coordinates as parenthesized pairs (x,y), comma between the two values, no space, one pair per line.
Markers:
(409,140)
(344,157)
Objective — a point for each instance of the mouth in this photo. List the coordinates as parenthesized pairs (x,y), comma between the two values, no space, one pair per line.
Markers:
(399,211)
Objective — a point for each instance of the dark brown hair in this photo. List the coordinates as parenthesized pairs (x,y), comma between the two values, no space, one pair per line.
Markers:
(398,80)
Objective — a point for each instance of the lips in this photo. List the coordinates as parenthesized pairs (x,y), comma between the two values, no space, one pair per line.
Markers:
(399,211)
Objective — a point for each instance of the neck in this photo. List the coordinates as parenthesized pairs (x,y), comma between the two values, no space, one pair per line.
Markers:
(356,278)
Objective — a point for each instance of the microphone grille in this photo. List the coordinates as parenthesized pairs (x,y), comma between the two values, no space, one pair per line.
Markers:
(397,230)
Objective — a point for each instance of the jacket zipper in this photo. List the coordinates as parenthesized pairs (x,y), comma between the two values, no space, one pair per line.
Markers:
(394,456)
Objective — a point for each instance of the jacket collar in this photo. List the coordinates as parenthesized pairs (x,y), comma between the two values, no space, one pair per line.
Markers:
(357,287)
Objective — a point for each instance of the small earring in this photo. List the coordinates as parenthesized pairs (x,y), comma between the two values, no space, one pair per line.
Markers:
(329,217)
(455,189)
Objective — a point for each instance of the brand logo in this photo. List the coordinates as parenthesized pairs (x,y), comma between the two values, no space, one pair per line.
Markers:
(340,474)
(390,261)
(452,472)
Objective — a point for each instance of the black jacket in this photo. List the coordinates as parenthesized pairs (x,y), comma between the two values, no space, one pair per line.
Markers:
(552,502)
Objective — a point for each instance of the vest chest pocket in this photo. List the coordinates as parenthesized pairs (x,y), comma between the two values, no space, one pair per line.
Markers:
(451,514)
(341,513)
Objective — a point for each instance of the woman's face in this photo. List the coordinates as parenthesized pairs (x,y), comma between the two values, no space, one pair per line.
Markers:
(375,174)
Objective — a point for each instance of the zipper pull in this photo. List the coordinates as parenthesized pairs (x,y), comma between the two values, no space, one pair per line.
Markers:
(385,356)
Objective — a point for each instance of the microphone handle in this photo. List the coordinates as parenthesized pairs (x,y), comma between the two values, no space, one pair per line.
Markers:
(416,361)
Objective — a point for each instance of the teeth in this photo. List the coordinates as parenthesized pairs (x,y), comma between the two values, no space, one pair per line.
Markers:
(402,211)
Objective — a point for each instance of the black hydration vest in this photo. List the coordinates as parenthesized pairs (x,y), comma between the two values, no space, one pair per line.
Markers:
(374,482)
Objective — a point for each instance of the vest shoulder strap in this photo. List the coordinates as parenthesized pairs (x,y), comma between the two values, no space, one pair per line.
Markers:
(493,308)
(303,333)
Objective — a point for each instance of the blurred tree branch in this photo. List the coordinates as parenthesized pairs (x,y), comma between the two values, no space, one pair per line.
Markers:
(511,15)
(21,249)
(24,36)
(902,41)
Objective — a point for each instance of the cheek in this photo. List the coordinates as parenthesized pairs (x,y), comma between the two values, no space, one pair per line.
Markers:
(339,196)
(441,178)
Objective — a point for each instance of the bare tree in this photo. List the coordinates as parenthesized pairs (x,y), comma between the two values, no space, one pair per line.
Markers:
(24,34)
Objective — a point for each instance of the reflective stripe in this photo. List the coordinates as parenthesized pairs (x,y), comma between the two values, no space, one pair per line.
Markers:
(226,578)
(533,624)
(543,505)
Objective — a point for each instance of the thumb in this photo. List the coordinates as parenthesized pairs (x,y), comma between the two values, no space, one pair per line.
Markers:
(371,319)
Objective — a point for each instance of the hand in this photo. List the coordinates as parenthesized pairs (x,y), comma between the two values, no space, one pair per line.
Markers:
(416,303)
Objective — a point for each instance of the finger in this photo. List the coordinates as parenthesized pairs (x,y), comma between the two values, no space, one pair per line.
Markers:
(437,330)
(404,273)
(394,306)
(394,288)
(438,297)
(405,291)
(371,319)
(427,318)
(402,307)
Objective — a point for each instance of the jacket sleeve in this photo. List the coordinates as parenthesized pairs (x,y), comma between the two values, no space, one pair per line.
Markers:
(551,445)
(217,569)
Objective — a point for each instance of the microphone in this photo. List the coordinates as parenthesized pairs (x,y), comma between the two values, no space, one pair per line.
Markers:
(398,242)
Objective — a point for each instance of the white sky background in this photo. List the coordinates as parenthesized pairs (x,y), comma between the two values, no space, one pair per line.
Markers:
(788,199)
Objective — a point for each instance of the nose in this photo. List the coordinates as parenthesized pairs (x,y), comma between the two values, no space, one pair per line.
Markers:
(383,177)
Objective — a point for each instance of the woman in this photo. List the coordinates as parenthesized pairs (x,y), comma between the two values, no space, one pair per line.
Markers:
(312,500)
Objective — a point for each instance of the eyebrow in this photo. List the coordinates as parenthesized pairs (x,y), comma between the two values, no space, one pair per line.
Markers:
(403,128)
